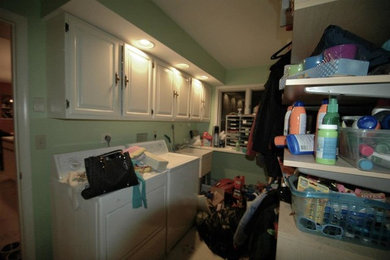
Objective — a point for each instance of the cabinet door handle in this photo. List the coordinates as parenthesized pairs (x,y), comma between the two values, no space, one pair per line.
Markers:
(117,78)
(126,81)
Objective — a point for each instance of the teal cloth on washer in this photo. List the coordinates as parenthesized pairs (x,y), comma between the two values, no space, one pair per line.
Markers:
(139,196)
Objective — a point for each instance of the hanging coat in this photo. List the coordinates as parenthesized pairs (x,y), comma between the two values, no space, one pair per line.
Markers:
(270,118)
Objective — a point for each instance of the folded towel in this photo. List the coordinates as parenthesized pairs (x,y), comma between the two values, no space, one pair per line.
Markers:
(155,162)
(135,151)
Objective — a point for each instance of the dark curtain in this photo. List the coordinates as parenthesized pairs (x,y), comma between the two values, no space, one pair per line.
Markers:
(270,118)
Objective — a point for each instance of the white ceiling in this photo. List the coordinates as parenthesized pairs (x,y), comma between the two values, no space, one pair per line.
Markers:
(237,33)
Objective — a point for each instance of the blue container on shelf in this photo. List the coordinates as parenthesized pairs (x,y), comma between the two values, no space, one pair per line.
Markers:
(313,61)
(342,216)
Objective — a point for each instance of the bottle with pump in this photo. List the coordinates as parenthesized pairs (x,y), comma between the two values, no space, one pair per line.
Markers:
(332,116)
(297,123)
(327,136)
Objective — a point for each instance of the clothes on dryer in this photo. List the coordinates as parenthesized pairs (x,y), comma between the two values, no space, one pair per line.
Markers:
(75,178)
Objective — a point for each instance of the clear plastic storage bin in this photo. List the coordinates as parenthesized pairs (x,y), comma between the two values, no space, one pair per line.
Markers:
(376,145)
(342,216)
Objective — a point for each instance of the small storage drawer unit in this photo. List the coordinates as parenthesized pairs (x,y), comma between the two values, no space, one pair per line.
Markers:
(238,128)
(368,150)
(342,216)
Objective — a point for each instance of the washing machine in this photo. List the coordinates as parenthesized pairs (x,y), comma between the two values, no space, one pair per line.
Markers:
(182,189)
(106,226)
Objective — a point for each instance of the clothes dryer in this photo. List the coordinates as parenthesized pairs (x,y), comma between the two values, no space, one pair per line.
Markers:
(106,226)
(182,189)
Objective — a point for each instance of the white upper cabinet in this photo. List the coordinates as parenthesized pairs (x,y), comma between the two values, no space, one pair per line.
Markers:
(206,103)
(181,94)
(163,91)
(200,100)
(83,70)
(93,75)
(137,84)
(196,99)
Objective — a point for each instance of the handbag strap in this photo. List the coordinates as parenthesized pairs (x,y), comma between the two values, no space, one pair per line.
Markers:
(110,153)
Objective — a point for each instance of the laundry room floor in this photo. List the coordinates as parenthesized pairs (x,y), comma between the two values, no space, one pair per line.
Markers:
(9,217)
(190,247)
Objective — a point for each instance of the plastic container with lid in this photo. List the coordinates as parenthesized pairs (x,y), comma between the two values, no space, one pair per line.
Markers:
(297,123)
(358,144)
(326,148)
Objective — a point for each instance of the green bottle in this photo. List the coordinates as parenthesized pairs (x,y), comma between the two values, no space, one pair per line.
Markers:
(332,116)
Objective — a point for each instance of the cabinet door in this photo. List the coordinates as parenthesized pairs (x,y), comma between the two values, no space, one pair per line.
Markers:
(163,93)
(137,87)
(182,95)
(206,103)
(91,71)
(196,99)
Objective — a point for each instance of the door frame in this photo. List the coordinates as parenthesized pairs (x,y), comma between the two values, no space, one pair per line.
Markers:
(22,129)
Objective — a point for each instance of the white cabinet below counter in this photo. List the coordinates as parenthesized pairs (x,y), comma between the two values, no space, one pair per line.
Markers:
(205,161)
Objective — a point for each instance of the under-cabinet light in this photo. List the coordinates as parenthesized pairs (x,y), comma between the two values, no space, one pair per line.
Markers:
(144,43)
(182,66)
(203,77)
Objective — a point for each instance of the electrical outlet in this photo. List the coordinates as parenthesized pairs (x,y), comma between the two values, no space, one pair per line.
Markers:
(142,137)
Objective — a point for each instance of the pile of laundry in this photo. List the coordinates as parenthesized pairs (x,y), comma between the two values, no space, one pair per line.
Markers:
(239,220)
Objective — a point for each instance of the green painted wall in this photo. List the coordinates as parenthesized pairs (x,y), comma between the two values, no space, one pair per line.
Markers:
(150,18)
(228,165)
(73,135)
(244,76)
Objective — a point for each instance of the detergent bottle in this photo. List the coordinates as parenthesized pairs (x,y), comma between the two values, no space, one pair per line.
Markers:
(320,116)
(321,113)
(287,120)
(297,123)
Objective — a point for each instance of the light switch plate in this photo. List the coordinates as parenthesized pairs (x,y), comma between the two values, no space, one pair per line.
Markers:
(39,104)
(40,142)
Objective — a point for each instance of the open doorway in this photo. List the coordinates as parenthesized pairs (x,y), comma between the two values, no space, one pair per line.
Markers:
(10,237)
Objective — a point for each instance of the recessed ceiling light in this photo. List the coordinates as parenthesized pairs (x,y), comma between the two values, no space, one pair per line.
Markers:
(203,77)
(182,66)
(144,43)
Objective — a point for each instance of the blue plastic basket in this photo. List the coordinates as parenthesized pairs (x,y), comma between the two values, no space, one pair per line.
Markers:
(342,216)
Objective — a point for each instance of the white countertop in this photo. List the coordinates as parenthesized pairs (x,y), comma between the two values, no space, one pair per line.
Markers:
(217,149)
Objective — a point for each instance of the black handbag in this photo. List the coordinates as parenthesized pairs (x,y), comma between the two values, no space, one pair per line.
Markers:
(108,172)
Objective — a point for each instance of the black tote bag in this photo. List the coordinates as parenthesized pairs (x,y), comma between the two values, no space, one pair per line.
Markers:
(108,172)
